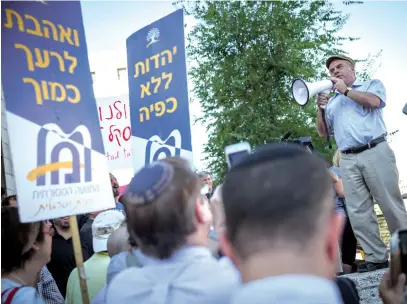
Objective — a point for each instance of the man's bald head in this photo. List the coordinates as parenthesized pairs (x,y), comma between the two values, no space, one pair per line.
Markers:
(118,241)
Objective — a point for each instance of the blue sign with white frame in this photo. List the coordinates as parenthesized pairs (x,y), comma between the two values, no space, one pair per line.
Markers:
(56,145)
(158,91)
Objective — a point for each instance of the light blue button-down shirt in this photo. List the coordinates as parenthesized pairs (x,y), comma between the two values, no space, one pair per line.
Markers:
(190,275)
(289,289)
(351,123)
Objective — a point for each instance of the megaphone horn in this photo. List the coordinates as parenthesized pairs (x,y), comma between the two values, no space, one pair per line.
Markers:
(302,91)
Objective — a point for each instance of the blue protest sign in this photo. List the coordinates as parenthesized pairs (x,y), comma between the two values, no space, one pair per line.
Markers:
(56,145)
(158,91)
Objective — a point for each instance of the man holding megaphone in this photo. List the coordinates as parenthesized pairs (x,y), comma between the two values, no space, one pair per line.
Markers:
(354,117)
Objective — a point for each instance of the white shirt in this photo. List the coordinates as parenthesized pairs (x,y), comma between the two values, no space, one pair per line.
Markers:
(289,289)
(190,275)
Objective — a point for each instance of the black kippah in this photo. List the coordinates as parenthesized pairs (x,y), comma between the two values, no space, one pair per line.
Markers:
(149,183)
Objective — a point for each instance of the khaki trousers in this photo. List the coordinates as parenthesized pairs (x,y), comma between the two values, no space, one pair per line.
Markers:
(372,173)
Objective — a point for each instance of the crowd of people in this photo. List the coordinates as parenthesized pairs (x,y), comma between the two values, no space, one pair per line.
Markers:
(282,228)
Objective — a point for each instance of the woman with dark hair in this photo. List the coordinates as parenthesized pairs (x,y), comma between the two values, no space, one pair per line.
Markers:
(27,249)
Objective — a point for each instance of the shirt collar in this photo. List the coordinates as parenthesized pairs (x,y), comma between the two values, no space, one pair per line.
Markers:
(357,83)
(287,288)
(181,255)
(57,235)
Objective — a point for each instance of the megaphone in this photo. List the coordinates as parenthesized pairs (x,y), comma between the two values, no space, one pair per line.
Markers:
(302,91)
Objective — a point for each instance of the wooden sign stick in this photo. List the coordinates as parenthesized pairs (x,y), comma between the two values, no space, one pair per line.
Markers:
(77,248)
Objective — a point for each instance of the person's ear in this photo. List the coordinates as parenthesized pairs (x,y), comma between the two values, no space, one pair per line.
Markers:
(35,247)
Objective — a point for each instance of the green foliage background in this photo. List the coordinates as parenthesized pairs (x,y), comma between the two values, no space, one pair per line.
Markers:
(244,56)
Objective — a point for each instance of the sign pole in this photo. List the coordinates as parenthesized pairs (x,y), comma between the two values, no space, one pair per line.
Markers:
(77,248)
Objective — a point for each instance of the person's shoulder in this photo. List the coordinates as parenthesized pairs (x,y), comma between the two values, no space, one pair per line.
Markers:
(131,273)
(117,263)
(118,260)
(72,286)
(370,82)
(226,272)
(27,294)
(7,284)
(73,276)
(373,80)
(99,261)
(220,281)
(229,270)
(125,283)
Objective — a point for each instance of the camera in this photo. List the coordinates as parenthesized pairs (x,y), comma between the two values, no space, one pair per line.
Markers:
(305,141)
(236,152)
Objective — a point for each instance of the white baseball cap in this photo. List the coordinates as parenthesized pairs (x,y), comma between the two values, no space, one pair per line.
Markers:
(103,226)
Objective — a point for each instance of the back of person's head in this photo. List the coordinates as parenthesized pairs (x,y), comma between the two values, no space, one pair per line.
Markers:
(22,242)
(165,208)
(118,241)
(280,199)
(203,174)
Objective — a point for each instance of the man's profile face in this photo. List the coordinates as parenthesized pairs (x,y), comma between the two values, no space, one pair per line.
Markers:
(342,69)
(115,185)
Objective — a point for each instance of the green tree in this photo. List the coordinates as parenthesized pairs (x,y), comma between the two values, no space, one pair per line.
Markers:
(369,66)
(244,56)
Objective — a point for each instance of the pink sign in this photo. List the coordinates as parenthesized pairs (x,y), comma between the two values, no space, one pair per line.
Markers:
(114,119)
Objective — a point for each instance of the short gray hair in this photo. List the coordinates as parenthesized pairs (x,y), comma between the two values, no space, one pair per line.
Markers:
(203,174)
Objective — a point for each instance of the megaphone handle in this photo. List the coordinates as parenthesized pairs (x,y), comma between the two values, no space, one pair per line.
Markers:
(328,138)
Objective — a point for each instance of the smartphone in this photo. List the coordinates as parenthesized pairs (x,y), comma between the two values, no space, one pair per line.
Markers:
(398,253)
(236,152)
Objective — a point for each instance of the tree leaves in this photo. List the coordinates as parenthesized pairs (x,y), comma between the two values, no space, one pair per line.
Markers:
(247,54)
